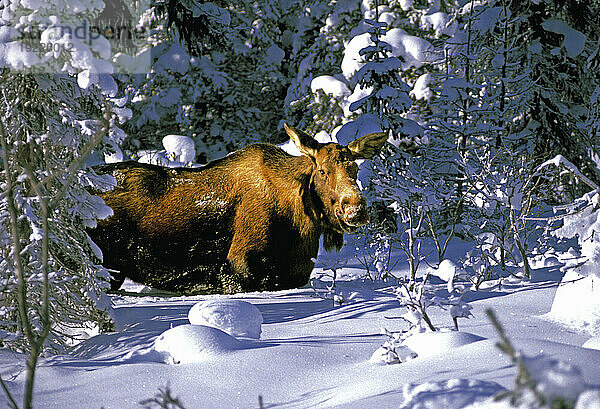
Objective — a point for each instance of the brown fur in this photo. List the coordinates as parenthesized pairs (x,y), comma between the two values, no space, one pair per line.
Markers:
(249,221)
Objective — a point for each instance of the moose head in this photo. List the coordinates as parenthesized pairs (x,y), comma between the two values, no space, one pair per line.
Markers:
(334,176)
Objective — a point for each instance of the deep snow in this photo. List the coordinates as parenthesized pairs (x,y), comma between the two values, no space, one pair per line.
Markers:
(310,354)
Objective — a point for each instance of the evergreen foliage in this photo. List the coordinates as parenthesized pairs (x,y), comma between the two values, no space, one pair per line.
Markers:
(52,284)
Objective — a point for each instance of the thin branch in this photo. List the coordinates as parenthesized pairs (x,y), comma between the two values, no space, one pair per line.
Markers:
(559,161)
(77,164)
(45,311)
(11,401)
(23,305)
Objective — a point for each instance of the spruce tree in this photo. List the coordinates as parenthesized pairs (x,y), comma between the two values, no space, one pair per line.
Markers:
(56,93)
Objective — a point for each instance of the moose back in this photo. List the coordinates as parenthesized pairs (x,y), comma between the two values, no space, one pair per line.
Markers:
(249,221)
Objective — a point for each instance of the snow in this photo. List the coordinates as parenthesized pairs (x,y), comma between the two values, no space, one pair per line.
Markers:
(427,344)
(102,46)
(235,317)
(412,51)
(446,270)
(560,161)
(114,157)
(193,343)
(16,55)
(274,55)
(139,63)
(176,59)
(453,393)
(313,353)
(577,302)
(162,158)
(315,348)
(330,85)
(358,94)
(363,125)
(406,5)
(32,4)
(420,89)
(153,157)
(588,400)
(556,379)
(440,22)
(179,148)
(340,8)
(573,40)
(592,343)
(385,355)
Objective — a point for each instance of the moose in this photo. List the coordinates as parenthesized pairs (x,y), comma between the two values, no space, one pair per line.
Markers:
(246,222)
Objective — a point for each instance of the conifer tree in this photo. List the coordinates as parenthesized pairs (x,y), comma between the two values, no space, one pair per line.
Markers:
(56,91)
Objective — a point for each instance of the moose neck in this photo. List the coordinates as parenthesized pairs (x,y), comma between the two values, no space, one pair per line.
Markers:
(294,180)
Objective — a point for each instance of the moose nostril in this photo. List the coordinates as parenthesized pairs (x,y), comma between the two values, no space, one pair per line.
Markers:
(353,208)
(345,201)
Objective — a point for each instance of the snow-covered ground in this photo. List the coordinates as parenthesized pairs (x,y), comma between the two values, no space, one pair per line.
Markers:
(296,350)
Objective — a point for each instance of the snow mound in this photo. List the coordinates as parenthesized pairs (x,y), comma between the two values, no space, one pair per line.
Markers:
(589,400)
(592,343)
(453,393)
(387,356)
(577,302)
(445,271)
(180,148)
(140,63)
(433,343)
(193,343)
(234,317)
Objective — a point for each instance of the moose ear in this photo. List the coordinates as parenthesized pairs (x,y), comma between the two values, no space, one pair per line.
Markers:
(367,146)
(306,144)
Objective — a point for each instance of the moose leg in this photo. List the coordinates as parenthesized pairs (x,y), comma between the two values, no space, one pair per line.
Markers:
(245,260)
(243,270)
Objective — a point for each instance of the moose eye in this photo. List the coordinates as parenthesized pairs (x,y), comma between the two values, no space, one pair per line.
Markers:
(322,172)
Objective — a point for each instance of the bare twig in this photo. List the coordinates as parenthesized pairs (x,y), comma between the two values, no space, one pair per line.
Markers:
(11,401)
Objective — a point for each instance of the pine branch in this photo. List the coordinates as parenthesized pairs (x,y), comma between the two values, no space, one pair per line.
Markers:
(77,164)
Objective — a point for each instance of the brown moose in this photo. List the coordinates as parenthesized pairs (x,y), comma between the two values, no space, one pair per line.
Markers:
(249,221)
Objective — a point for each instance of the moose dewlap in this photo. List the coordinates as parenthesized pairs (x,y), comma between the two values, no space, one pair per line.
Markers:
(249,221)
